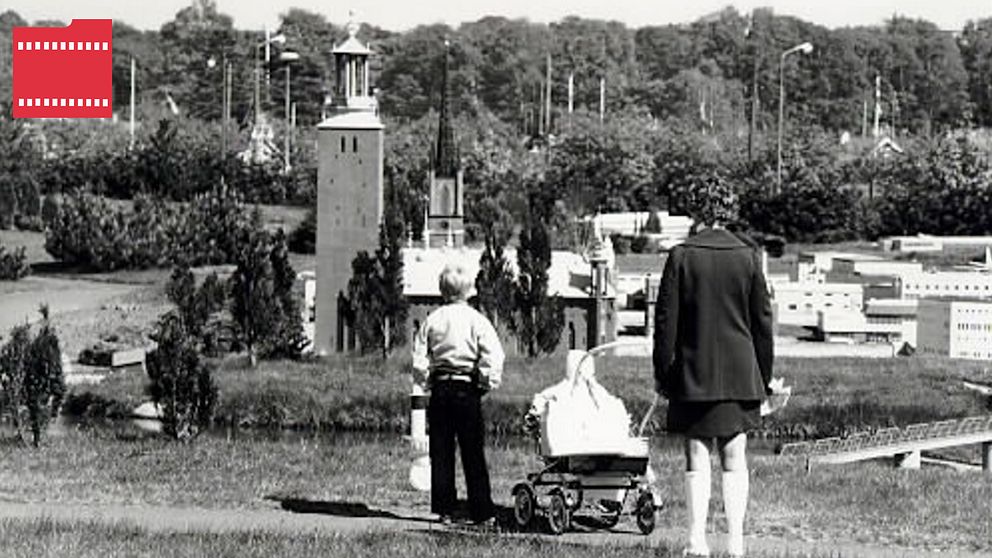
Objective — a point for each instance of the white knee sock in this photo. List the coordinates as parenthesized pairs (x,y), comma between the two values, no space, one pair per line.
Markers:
(735,489)
(697,503)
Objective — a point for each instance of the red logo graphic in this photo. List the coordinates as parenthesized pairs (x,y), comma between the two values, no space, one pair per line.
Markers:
(64,72)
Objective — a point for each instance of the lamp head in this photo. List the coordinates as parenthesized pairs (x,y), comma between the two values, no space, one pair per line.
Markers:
(805,48)
(280,38)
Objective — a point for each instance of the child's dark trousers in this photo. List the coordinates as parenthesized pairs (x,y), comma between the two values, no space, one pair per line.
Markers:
(455,413)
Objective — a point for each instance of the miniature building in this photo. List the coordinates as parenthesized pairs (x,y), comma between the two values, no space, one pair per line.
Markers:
(883,321)
(863,265)
(446,212)
(931,243)
(969,284)
(813,266)
(800,303)
(349,190)
(674,228)
(583,287)
(955,328)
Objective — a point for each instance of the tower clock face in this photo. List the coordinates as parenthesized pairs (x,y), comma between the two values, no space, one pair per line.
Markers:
(444,225)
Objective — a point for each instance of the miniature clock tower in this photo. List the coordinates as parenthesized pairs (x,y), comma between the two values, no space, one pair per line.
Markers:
(349,191)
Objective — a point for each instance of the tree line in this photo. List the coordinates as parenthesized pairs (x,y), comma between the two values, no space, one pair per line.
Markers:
(711,71)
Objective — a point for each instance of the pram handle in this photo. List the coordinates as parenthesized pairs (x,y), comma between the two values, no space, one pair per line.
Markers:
(612,345)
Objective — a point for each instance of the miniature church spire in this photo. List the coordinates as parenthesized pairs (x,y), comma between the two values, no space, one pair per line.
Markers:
(445,157)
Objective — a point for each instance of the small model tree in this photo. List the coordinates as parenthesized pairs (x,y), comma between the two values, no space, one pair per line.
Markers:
(653,224)
(199,306)
(253,303)
(32,382)
(181,381)
(375,291)
(540,318)
(263,304)
(494,283)
(286,339)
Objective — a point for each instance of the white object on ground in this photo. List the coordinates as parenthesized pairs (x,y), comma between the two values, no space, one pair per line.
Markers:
(779,397)
(420,473)
(147,410)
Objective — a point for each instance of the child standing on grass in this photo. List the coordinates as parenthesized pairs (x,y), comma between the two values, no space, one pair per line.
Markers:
(458,358)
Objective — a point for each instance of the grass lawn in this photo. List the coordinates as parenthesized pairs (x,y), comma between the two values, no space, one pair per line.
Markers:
(869,502)
(47,538)
(33,243)
(832,396)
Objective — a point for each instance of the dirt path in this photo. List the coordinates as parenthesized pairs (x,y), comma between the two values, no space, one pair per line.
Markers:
(310,517)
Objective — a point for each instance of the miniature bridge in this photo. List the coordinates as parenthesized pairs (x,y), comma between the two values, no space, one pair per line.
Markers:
(904,444)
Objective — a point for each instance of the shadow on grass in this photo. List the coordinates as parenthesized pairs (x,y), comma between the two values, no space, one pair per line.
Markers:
(340,509)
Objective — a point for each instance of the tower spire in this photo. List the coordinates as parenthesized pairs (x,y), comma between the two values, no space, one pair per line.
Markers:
(445,158)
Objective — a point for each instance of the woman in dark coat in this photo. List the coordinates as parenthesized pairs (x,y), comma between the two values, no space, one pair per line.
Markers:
(713,361)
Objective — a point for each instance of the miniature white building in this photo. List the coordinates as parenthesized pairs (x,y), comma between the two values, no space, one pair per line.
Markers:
(955,328)
(921,243)
(882,321)
(799,303)
(928,243)
(674,228)
(969,284)
(862,265)
(812,267)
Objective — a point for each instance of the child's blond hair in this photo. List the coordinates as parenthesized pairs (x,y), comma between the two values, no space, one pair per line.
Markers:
(455,283)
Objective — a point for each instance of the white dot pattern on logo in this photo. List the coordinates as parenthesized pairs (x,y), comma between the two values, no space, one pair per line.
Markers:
(64,45)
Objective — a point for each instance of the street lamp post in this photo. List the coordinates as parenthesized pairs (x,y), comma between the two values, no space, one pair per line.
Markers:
(269,39)
(288,57)
(804,48)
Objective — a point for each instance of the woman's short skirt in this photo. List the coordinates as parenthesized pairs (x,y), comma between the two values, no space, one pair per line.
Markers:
(713,419)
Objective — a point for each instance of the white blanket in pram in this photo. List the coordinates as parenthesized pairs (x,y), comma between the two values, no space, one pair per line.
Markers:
(579,416)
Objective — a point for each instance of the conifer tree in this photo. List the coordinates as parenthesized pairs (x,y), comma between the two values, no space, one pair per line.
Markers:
(494,283)
(254,305)
(32,382)
(181,381)
(375,290)
(540,318)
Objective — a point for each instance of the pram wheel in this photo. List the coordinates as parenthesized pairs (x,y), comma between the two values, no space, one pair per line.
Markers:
(644,513)
(558,515)
(524,503)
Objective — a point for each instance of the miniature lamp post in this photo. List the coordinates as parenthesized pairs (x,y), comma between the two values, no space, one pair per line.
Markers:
(804,48)
(288,57)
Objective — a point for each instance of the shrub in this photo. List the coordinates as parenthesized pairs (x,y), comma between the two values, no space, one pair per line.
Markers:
(653,224)
(181,382)
(621,244)
(13,265)
(303,239)
(196,305)
(32,383)
(93,232)
(641,244)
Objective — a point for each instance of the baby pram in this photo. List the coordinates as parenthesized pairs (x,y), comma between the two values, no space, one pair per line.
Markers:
(596,473)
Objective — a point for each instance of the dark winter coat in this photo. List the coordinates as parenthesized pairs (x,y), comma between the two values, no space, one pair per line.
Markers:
(713,322)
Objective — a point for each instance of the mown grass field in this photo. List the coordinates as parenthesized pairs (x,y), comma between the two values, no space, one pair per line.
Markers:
(871,503)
